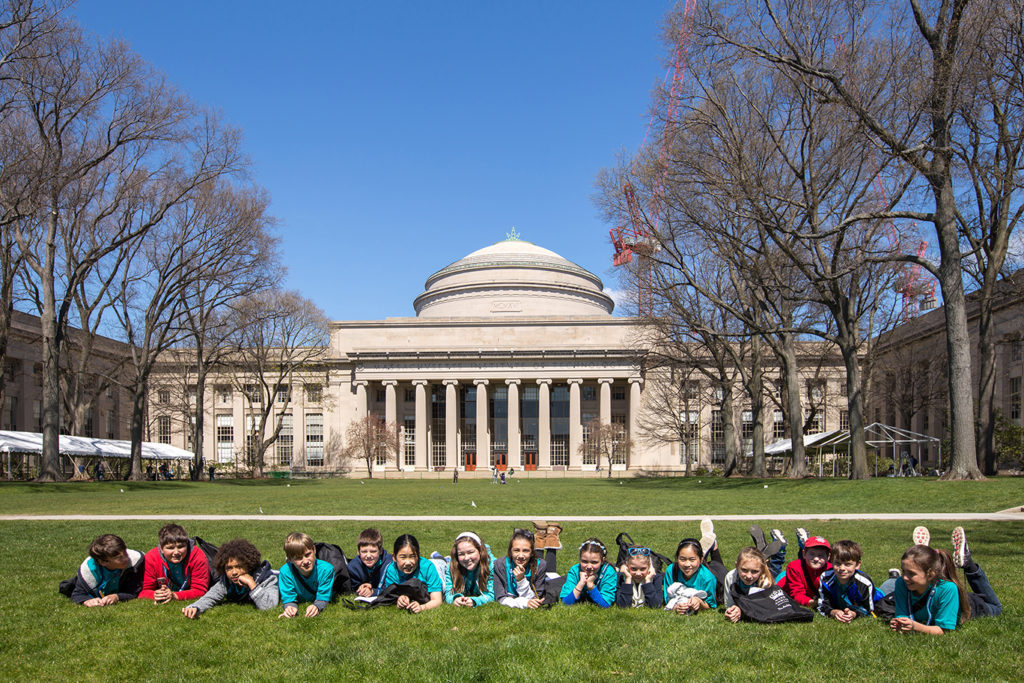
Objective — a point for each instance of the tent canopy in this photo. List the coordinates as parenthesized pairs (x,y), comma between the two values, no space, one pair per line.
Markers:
(82,446)
(875,434)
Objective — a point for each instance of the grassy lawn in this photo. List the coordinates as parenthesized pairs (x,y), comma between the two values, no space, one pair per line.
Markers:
(46,637)
(529,497)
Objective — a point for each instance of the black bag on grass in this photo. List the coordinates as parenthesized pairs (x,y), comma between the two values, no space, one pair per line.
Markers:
(625,542)
(415,589)
(769,606)
(335,556)
(210,550)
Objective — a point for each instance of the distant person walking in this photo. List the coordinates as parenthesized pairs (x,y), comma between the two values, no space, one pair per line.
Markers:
(212,470)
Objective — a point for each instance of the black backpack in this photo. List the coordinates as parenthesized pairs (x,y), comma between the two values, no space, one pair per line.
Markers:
(415,589)
(335,556)
(769,606)
(210,550)
(625,542)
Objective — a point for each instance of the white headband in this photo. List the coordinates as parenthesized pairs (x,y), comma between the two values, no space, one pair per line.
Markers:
(469,534)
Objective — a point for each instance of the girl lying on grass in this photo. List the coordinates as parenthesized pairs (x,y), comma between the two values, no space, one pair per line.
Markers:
(244,578)
(591,579)
(751,572)
(689,572)
(469,578)
(407,566)
(640,585)
(520,578)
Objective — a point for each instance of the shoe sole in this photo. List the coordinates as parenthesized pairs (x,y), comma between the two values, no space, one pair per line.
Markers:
(707,542)
(922,536)
(707,527)
(777,535)
(959,546)
(757,534)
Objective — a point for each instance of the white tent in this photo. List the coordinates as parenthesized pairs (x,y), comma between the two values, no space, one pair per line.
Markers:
(31,443)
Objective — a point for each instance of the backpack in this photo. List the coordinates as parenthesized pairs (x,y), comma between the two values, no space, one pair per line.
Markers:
(210,550)
(414,588)
(769,606)
(335,556)
(625,542)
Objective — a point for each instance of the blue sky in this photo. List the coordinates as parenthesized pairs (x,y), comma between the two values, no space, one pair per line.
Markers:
(396,137)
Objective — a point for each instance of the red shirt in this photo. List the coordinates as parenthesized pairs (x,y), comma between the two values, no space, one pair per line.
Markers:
(801,582)
(197,574)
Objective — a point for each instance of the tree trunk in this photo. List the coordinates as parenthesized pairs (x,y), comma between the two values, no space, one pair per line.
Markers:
(49,465)
(135,429)
(855,408)
(757,406)
(798,464)
(986,385)
(729,433)
(198,440)
(963,455)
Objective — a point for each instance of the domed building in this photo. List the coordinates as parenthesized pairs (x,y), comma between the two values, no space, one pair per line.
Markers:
(512,351)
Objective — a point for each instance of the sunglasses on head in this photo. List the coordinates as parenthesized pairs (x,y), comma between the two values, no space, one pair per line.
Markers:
(639,552)
(522,532)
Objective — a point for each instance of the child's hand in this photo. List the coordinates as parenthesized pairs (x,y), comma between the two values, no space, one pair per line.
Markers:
(519,572)
(415,607)
(246,580)
(902,624)
(681,607)
(624,570)
(289,612)
(650,574)
(312,611)
(694,604)
(162,595)
(365,590)
(843,615)
(109,599)
(462,601)
(733,613)
(534,603)
(403,602)
(190,612)
(94,602)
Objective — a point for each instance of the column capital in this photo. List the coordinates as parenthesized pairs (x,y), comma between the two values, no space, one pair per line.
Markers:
(510,382)
(420,382)
(360,383)
(450,382)
(390,382)
(636,380)
(606,380)
(574,381)
(481,382)
(543,381)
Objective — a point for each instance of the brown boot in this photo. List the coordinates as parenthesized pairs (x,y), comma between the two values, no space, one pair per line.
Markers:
(540,534)
(553,542)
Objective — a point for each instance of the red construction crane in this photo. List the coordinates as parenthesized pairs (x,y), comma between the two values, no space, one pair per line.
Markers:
(636,238)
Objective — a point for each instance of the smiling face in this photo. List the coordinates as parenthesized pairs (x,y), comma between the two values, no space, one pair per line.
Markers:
(589,562)
(914,577)
(174,552)
(520,552)
(688,561)
(638,567)
(749,570)
(467,555)
(233,569)
(305,562)
(369,554)
(407,559)
(846,570)
(816,557)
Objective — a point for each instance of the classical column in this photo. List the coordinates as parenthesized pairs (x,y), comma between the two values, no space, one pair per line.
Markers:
(422,458)
(515,447)
(391,416)
(605,410)
(483,444)
(361,406)
(575,428)
(635,384)
(451,422)
(544,424)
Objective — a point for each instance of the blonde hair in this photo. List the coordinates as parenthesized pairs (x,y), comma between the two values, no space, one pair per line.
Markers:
(296,545)
(764,579)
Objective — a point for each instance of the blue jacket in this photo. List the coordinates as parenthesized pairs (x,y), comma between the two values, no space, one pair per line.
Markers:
(654,593)
(96,581)
(374,575)
(859,595)
(603,592)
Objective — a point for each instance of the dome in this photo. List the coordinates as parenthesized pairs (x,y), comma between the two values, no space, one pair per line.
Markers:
(512,278)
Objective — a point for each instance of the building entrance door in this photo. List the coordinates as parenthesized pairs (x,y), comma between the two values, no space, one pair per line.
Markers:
(470,459)
(501,461)
(530,460)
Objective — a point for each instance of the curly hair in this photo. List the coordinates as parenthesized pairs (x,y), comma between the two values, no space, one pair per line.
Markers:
(237,549)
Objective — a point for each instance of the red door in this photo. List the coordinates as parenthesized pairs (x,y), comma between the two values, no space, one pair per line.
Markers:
(530,460)
(470,461)
(501,461)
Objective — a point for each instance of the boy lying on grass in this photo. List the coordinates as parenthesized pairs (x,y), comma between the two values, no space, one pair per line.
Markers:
(177,569)
(112,573)
(244,577)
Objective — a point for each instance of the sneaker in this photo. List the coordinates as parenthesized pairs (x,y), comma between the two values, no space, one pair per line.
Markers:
(801,537)
(777,535)
(921,535)
(757,534)
(772,548)
(436,556)
(707,542)
(895,573)
(707,526)
(961,553)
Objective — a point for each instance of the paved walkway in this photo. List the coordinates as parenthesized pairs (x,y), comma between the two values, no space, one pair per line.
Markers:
(1012,515)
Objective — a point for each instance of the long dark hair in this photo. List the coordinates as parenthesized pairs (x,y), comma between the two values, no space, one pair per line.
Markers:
(531,564)
(484,568)
(938,565)
(407,540)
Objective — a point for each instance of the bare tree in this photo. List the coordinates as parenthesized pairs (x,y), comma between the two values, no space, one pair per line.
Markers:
(607,442)
(672,408)
(280,337)
(371,440)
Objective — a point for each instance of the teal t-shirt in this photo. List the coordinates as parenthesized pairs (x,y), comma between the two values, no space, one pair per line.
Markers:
(472,589)
(297,588)
(702,580)
(107,580)
(940,608)
(425,572)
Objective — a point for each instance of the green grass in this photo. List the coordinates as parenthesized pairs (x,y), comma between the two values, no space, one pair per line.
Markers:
(529,497)
(46,637)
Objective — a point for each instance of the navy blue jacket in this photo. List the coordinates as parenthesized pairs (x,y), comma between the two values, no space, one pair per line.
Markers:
(361,574)
(859,595)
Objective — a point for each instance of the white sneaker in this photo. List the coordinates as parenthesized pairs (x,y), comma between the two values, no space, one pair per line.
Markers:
(921,535)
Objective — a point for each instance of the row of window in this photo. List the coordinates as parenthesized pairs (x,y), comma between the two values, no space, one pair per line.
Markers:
(284,446)
(587,393)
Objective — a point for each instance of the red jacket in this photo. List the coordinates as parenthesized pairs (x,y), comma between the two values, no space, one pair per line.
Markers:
(197,574)
(801,582)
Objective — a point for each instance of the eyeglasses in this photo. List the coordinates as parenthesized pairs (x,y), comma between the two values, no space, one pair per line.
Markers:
(523,532)
(639,552)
